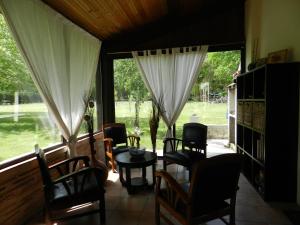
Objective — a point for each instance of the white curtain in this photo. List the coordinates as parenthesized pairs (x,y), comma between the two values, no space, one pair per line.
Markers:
(169,76)
(61,56)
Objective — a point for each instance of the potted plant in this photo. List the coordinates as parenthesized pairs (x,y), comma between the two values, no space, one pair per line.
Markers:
(154,123)
(90,129)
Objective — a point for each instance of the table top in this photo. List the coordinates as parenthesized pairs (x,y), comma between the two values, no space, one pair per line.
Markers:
(126,160)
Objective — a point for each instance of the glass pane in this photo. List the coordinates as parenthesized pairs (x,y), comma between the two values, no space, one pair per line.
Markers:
(207,103)
(133,103)
(24,119)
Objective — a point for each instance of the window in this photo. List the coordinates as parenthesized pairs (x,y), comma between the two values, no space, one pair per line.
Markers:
(207,103)
(24,119)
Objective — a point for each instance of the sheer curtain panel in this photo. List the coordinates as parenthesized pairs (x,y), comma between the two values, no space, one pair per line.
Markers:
(169,76)
(61,56)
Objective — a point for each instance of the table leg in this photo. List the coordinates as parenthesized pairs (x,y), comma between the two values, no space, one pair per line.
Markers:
(144,172)
(153,174)
(128,181)
(121,175)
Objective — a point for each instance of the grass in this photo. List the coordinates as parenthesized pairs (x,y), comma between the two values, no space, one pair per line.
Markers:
(208,114)
(33,127)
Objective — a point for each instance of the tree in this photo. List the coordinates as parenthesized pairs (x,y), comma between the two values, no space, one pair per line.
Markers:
(217,69)
(129,84)
(224,65)
(14,75)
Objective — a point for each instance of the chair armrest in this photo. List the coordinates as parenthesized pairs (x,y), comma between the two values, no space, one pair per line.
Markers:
(73,177)
(82,171)
(108,144)
(109,140)
(84,158)
(171,145)
(133,135)
(171,139)
(66,163)
(174,191)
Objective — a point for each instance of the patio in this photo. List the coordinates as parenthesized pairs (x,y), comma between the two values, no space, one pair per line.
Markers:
(228,25)
(138,209)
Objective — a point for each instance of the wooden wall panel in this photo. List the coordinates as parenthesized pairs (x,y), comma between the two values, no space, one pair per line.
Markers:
(21,194)
(21,191)
(83,146)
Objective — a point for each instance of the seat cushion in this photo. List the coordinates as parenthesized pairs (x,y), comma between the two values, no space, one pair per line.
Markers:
(177,158)
(200,208)
(209,206)
(90,191)
(119,149)
(192,156)
(184,157)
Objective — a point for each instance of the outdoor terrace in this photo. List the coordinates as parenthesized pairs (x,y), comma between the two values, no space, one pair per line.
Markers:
(138,209)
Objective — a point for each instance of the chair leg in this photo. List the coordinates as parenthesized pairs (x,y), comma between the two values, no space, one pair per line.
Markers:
(102,209)
(113,164)
(47,216)
(106,160)
(190,174)
(157,213)
(232,210)
(164,165)
(232,218)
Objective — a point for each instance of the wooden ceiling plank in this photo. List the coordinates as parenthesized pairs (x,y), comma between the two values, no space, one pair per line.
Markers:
(106,19)
(129,10)
(69,10)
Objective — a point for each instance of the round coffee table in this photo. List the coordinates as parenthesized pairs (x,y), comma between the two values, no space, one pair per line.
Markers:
(128,162)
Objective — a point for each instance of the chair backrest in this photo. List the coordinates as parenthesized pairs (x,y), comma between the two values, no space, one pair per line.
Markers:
(194,135)
(215,179)
(117,132)
(46,177)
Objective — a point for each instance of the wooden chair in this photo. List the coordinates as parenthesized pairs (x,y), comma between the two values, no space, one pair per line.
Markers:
(72,187)
(194,137)
(116,141)
(210,195)
(193,146)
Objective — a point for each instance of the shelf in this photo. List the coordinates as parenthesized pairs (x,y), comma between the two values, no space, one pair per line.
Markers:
(251,128)
(253,158)
(258,162)
(267,111)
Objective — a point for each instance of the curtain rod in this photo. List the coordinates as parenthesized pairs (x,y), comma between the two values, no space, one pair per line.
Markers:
(115,53)
(223,47)
(129,52)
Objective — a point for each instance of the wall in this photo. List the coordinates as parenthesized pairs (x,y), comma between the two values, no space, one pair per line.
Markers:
(275,25)
(21,192)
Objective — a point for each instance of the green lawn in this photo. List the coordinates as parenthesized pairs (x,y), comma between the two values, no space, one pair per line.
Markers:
(19,137)
(32,127)
(208,114)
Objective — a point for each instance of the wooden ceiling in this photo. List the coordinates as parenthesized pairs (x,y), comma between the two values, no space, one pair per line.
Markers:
(112,19)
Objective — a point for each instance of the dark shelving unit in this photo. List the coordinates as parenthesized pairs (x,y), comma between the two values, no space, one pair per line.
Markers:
(267,129)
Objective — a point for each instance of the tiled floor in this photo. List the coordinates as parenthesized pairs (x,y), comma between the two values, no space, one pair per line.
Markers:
(138,209)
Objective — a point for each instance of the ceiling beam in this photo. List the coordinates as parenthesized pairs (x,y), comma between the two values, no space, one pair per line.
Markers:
(215,29)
